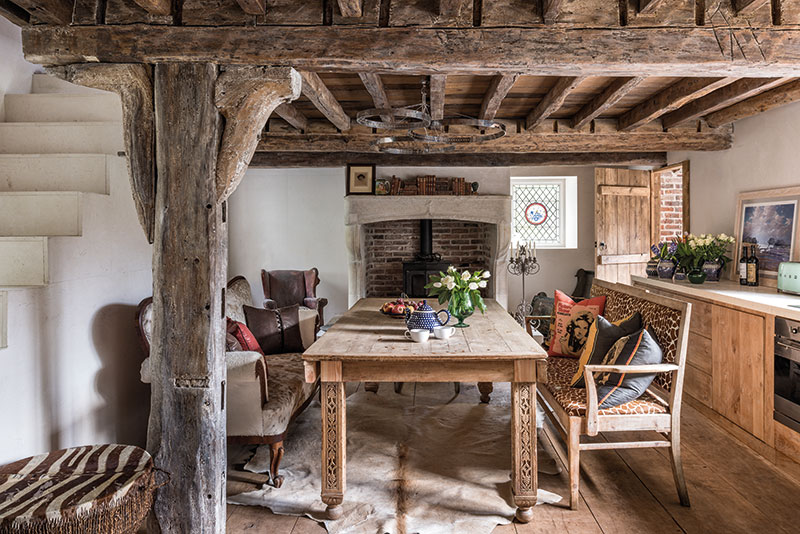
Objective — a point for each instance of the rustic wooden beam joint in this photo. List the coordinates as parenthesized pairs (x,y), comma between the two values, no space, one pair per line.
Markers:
(780,96)
(647,7)
(436,86)
(550,10)
(315,90)
(57,12)
(553,100)
(293,116)
(499,87)
(14,13)
(134,84)
(350,8)
(156,7)
(605,100)
(246,97)
(253,7)
(746,7)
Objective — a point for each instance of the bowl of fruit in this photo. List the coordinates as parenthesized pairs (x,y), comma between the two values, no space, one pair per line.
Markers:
(397,308)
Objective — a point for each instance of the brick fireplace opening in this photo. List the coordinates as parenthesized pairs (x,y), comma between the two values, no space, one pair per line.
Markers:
(387,244)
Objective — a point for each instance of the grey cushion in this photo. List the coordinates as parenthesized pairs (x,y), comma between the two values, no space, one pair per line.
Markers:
(639,348)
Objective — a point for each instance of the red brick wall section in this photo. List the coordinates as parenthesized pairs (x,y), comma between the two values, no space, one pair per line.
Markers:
(671,224)
(388,244)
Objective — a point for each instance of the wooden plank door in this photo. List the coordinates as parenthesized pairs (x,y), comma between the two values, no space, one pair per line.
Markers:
(622,223)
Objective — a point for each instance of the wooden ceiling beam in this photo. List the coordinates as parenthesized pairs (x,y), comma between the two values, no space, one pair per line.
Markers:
(670,99)
(315,90)
(746,7)
(293,116)
(251,7)
(436,86)
(540,51)
(449,8)
(551,10)
(350,8)
(499,87)
(340,159)
(649,6)
(156,7)
(14,13)
(58,12)
(649,141)
(374,86)
(721,98)
(605,100)
(553,100)
(780,96)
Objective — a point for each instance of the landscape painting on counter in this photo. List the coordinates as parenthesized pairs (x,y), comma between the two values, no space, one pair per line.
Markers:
(771,227)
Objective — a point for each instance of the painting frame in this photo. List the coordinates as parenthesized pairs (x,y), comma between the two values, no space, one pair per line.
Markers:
(356,174)
(768,199)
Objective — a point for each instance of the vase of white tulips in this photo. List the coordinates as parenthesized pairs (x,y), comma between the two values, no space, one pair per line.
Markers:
(462,291)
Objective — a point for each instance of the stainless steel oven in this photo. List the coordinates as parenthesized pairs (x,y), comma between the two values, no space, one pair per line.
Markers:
(787,373)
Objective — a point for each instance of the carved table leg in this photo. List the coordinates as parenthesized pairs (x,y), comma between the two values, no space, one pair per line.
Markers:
(486,389)
(524,480)
(333,447)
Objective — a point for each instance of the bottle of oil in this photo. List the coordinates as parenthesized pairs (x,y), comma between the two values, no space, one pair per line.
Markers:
(752,267)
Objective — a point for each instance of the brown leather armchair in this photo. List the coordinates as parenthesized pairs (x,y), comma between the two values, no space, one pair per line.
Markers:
(285,288)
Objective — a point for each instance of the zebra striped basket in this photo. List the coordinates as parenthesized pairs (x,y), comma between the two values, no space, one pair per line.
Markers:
(91,489)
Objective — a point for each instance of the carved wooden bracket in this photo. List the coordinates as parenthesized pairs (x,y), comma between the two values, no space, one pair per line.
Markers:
(246,97)
(134,84)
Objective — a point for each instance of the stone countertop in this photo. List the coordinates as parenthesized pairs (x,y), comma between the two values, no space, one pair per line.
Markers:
(759,299)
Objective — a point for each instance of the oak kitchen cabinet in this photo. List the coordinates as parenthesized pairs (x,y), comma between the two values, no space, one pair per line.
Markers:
(729,362)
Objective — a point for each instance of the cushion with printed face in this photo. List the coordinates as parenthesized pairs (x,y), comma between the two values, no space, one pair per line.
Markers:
(571,323)
(243,334)
(602,335)
(639,348)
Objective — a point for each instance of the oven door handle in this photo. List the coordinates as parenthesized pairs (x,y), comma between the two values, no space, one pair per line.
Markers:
(790,352)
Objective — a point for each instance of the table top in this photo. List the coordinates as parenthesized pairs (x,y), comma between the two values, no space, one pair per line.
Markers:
(363,333)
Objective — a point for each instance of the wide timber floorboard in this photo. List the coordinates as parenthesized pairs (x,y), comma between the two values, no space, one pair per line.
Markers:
(732,488)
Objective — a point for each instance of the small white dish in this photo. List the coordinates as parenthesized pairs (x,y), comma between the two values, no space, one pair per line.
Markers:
(443,332)
(418,335)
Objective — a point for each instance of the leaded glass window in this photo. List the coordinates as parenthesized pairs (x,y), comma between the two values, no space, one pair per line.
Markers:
(537,205)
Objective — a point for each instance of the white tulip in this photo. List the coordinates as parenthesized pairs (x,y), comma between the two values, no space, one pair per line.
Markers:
(486,274)
(451,269)
(447,280)
(473,286)
(482,283)
(451,285)
(437,284)
(465,275)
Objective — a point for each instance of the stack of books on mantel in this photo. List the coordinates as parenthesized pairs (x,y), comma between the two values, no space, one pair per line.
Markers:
(430,185)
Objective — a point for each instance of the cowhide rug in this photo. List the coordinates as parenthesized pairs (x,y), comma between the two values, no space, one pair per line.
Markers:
(426,469)
(437,469)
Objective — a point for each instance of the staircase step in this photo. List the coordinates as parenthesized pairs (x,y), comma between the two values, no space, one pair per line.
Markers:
(40,214)
(45,83)
(82,107)
(61,138)
(23,261)
(85,173)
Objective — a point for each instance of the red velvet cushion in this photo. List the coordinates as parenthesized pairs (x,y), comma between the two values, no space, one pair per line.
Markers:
(571,322)
(245,337)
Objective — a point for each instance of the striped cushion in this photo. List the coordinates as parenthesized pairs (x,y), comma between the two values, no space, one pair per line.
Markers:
(70,482)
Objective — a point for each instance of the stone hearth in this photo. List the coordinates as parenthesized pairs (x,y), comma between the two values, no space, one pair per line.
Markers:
(494,210)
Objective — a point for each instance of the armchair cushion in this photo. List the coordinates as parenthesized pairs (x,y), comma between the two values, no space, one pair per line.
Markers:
(573,400)
(571,324)
(602,336)
(639,348)
(244,336)
(231,343)
(277,331)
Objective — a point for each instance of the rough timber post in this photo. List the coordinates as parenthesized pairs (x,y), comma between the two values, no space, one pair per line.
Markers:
(187,420)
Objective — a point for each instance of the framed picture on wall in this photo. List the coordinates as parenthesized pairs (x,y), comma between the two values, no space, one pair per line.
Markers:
(360,179)
(768,220)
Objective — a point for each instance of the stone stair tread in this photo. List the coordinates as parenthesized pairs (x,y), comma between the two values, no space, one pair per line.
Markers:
(85,173)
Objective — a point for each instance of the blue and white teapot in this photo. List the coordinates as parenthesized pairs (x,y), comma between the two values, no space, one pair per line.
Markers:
(425,317)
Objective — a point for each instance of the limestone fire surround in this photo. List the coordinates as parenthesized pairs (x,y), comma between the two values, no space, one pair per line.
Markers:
(367,209)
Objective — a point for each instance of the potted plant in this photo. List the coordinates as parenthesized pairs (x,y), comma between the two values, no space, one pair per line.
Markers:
(461,290)
(684,257)
(652,265)
(710,253)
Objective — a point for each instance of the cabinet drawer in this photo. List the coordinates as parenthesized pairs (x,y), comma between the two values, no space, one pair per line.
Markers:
(698,352)
(700,322)
(698,384)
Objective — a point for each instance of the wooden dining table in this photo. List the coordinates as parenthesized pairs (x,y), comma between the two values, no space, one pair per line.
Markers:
(365,345)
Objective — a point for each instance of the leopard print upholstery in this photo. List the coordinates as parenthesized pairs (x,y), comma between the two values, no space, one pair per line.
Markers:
(573,400)
(662,321)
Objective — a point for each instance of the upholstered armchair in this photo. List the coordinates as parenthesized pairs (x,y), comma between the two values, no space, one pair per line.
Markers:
(264,393)
(284,288)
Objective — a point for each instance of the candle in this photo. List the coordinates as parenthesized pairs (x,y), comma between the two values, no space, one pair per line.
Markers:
(534,249)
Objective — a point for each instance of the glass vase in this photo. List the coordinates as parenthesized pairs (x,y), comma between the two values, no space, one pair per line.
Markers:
(460,307)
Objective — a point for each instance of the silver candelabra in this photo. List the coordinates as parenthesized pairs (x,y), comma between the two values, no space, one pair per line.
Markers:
(522,263)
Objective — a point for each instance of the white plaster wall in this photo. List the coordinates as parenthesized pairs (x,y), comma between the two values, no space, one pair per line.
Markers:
(764,155)
(15,72)
(294,218)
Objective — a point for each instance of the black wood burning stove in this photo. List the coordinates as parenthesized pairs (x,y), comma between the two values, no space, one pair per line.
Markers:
(427,262)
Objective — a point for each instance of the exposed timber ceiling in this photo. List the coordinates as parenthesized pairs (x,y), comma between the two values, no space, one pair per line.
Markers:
(617,82)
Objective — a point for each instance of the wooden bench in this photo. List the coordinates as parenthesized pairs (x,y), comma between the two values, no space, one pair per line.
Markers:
(574,411)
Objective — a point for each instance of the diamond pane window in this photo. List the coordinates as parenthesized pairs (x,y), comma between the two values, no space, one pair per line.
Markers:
(539,206)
